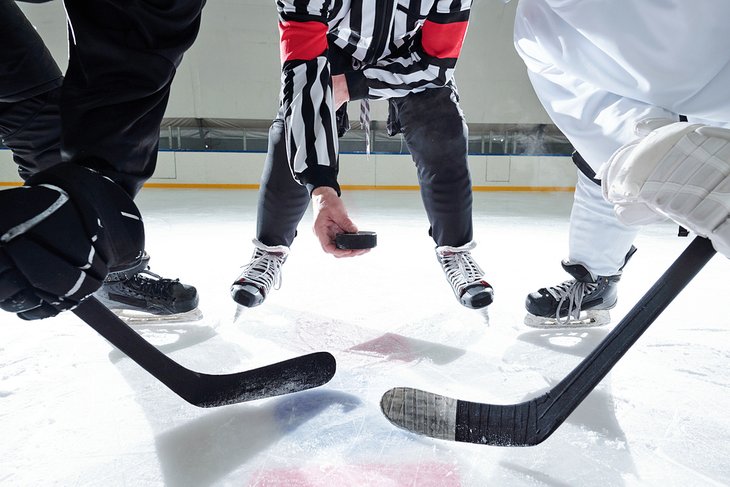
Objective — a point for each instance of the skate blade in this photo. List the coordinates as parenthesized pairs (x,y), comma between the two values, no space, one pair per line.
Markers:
(132,317)
(238,313)
(484,312)
(587,319)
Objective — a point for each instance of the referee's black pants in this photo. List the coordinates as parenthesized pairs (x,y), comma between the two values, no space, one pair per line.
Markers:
(436,135)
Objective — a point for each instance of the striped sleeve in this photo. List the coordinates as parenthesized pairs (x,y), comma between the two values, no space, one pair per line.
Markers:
(306,101)
(431,61)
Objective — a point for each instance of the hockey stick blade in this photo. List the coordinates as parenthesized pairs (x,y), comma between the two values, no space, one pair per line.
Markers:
(531,422)
(208,390)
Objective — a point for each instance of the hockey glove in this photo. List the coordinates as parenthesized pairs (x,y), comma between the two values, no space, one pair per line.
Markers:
(679,170)
(60,234)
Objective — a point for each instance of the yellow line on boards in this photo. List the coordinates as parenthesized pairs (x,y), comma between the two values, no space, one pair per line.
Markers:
(355,187)
(474,188)
(347,187)
(545,189)
(200,186)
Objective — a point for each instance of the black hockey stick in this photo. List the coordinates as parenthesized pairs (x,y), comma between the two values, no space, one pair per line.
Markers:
(207,390)
(532,421)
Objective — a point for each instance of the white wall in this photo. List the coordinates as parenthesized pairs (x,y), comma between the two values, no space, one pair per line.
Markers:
(232,71)
(374,171)
(380,171)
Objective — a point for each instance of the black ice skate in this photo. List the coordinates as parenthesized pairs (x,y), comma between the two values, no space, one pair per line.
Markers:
(141,295)
(580,302)
(465,276)
(261,274)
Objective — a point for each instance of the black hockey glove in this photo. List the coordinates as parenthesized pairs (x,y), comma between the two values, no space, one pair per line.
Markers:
(60,235)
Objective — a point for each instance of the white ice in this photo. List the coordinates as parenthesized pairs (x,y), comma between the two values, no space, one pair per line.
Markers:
(75,411)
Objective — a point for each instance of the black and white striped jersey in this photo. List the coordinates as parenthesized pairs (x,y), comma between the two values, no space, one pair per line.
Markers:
(402,46)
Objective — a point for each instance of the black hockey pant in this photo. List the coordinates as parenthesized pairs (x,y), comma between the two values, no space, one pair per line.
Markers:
(436,135)
(30,81)
(107,113)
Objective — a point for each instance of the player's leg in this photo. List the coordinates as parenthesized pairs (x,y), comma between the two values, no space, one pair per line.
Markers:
(281,206)
(436,135)
(30,122)
(599,247)
(30,82)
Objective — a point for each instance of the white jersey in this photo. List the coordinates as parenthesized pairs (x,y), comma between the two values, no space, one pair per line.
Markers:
(598,66)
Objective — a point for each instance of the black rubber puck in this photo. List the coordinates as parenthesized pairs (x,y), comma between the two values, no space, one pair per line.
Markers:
(358,240)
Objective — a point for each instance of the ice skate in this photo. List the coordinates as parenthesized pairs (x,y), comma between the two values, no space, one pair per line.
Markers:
(261,274)
(582,302)
(139,295)
(465,276)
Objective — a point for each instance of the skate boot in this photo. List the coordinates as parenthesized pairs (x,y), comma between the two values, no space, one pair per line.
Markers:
(465,276)
(259,275)
(140,295)
(580,302)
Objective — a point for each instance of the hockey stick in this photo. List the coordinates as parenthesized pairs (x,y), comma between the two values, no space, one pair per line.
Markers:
(206,390)
(532,421)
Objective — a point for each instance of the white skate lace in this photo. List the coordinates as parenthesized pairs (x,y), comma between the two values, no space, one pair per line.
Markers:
(459,266)
(264,270)
(572,291)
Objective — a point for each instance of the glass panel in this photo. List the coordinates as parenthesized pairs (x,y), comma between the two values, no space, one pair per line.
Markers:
(252,136)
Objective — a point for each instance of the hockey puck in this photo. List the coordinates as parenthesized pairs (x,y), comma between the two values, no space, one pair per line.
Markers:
(357,240)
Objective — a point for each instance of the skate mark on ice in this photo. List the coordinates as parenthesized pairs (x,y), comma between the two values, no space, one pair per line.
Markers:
(302,331)
(578,343)
(317,331)
(596,414)
(209,448)
(422,474)
(291,411)
(533,476)
(170,338)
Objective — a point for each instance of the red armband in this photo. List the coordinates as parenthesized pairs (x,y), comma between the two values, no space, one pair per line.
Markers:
(443,40)
(302,40)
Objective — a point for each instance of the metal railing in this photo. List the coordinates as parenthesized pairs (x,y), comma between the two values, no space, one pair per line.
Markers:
(484,139)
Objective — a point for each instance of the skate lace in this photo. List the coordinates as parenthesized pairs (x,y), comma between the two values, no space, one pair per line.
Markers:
(573,292)
(151,284)
(461,270)
(264,270)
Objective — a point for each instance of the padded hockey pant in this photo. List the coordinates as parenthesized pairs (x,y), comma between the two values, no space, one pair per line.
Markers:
(129,54)
(597,238)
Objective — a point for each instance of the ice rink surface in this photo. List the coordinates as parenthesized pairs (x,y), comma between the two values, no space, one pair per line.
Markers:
(76,412)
